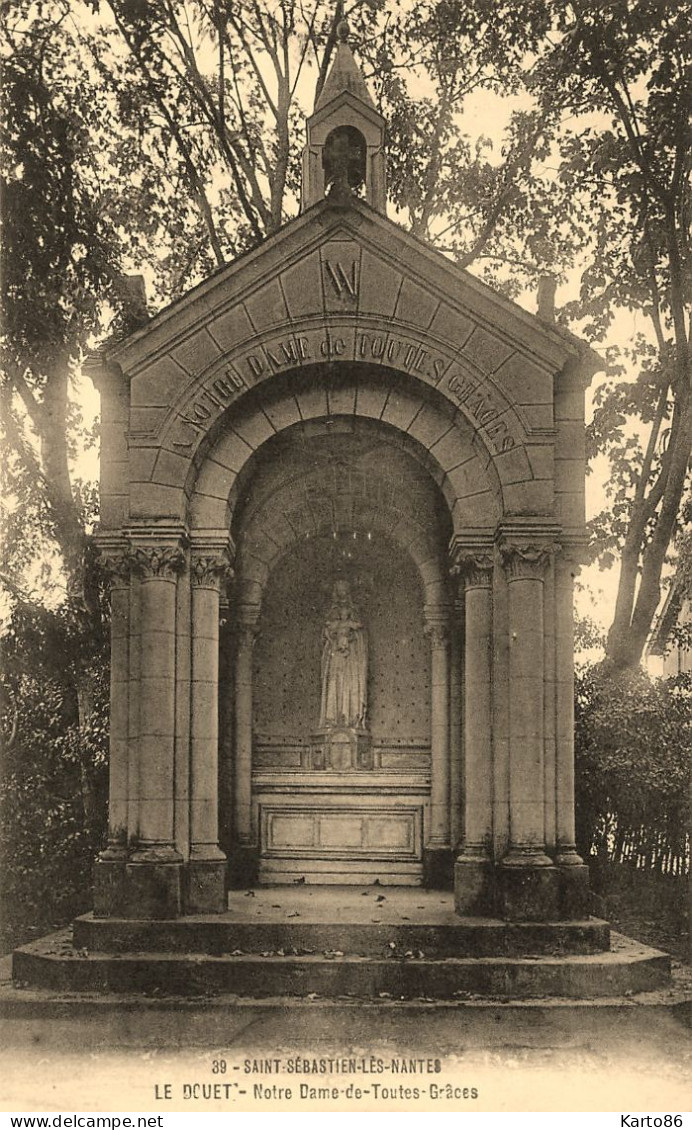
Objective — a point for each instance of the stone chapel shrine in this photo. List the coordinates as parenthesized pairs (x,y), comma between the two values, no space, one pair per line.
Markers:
(342,500)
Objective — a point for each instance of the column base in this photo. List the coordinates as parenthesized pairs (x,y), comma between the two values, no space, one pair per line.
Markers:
(527,892)
(153,890)
(438,868)
(205,886)
(137,890)
(474,886)
(575,891)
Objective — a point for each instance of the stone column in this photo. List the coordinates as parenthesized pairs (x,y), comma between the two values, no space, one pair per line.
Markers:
(527,877)
(245,864)
(456,713)
(154,867)
(573,873)
(437,861)
(206,888)
(473,869)
(110,868)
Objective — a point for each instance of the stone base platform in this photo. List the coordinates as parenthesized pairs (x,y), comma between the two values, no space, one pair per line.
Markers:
(393,943)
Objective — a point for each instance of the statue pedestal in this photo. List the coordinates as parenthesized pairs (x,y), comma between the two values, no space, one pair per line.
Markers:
(341,749)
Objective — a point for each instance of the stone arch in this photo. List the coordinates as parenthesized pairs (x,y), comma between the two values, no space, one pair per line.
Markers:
(423,424)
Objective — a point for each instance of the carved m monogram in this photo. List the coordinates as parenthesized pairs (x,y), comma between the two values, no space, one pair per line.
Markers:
(344,280)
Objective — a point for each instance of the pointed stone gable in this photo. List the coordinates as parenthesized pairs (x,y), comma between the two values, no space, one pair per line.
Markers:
(345,286)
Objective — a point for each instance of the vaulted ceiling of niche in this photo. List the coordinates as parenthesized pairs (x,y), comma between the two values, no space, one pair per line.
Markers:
(340,476)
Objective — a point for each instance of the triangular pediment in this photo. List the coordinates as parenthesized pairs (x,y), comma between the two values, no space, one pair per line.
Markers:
(347,263)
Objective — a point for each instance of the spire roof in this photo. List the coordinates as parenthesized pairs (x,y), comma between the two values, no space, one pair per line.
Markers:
(345,74)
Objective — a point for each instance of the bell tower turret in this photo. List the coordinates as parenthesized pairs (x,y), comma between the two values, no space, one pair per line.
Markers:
(344,154)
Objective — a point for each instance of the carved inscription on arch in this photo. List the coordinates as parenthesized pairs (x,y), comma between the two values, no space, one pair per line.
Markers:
(487,415)
(333,342)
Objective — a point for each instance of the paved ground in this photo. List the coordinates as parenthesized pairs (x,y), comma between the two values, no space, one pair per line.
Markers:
(118,1054)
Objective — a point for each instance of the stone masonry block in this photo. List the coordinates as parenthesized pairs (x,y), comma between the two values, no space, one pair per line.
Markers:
(379,286)
(371,399)
(479,511)
(534,497)
(569,404)
(197,353)
(538,416)
(141,462)
(171,469)
(255,429)
(150,500)
(114,476)
(266,307)
(302,286)
(571,440)
(231,328)
(159,384)
(231,451)
(524,382)
(342,398)
(312,402)
(569,475)
(570,509)
(486,351)
(468,478)
(416,305)
(146,420)
(208,513)
(282,412)
(542,460)
(513,466)
(448,451)
(214,480)
(401,409)
(451,326)
(429,426)
(115,510)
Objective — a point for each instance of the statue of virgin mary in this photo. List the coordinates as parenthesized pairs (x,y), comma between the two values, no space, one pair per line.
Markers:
(344,663)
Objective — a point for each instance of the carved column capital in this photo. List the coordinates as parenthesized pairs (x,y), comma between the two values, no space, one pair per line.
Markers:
(527,560)
(162,562)
(437,629)
(116,565)
(474,570)
(209,570)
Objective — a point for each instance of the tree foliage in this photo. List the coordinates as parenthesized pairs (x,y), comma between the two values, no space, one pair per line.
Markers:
(633,750)
(53,777)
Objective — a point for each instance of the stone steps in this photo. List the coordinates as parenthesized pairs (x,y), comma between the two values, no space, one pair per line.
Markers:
(223,934)
(53,963)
